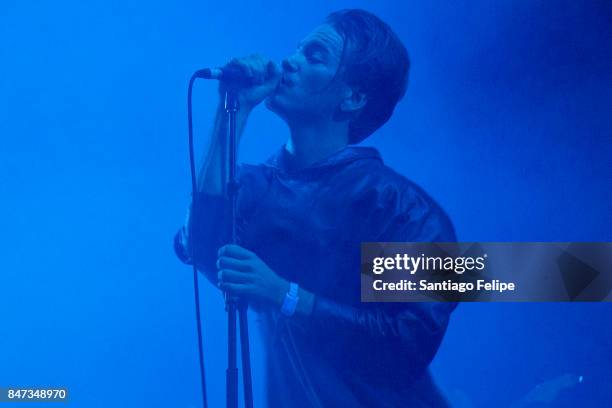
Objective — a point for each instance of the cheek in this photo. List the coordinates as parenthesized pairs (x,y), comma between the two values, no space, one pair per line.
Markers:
(319,93)
(317,81)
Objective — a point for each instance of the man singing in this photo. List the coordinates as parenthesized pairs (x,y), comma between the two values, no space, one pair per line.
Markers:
(302,215)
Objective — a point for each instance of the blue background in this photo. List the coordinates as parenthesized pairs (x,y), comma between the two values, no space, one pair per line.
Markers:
(506,123)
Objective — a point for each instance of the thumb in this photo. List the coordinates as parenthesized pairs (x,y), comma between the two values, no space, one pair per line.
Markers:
(273,73)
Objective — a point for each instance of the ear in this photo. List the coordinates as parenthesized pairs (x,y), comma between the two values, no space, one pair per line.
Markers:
(353,102)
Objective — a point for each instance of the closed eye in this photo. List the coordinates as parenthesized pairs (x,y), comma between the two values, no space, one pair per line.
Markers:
(315,57)
(314,51)
(315,54)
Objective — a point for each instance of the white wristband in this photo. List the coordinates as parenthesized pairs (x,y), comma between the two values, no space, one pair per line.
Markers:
(291,300)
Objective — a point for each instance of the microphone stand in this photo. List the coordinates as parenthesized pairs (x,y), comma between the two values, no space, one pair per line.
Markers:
(234,305)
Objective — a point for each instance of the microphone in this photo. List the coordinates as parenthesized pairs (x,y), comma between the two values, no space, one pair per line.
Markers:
(231,74)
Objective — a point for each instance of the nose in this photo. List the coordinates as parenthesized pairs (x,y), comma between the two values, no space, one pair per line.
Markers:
(289,64)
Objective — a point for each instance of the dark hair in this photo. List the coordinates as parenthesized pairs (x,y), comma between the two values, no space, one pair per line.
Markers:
(375,62)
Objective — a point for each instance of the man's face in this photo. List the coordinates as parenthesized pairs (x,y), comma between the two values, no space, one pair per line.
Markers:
(309,89)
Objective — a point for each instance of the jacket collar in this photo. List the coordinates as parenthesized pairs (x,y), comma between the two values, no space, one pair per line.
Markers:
(281,160)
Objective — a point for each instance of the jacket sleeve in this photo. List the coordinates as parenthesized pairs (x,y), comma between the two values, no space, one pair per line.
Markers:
(395,333)
(400,331)
(210,220)
(206,229)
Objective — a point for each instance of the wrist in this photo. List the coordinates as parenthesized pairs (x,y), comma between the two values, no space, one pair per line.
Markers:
(305,304)
(281,292)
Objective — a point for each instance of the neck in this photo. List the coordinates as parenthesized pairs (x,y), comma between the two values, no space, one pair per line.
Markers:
(310,144)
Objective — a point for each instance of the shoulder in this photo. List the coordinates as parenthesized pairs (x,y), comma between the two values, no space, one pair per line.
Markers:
(414,215)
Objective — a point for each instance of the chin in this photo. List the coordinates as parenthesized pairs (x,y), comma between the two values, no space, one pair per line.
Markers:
(288,109)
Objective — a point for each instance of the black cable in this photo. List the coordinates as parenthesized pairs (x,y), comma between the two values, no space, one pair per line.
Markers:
(194,208)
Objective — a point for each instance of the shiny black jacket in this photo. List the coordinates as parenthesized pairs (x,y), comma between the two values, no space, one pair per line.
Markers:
(307,225)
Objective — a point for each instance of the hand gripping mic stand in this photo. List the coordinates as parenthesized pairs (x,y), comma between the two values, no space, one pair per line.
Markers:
(232,305)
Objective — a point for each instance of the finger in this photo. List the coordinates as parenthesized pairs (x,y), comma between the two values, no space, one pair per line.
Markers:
(262,68)
(225,262)
(273,71)
(252,66)
(228,262)
(243,64)
(258,64)
(235,251)
(234,288)
(232,276)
